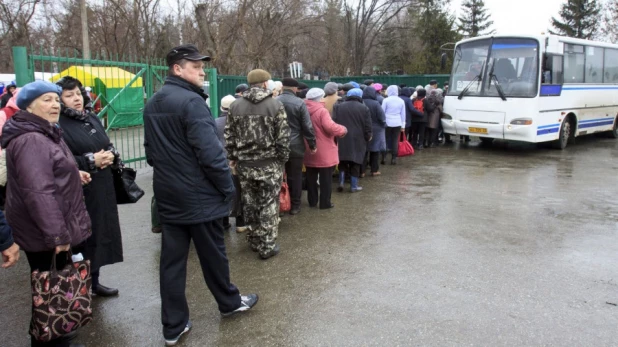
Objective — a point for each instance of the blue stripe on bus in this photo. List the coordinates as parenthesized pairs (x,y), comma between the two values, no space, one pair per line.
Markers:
(547,131)
(549,126)
(595,120)
(596,124)
(590,88)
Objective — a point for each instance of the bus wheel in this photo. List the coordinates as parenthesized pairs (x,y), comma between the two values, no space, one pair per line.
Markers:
(614,133)
(566,132)
(486,140)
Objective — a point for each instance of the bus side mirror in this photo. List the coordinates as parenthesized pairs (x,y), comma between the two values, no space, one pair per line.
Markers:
(443,61)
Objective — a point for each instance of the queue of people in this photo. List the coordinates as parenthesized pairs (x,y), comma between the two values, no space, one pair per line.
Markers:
(60,198)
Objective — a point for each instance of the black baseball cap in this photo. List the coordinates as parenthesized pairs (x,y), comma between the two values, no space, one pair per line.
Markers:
(187,51)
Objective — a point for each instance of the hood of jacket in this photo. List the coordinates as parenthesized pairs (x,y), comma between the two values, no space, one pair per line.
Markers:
(370,93)
(257,95)
(406,92)
(314,106)
(25,122)
(392,91)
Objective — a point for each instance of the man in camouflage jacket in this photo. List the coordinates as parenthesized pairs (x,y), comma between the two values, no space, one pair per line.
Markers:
(257,141)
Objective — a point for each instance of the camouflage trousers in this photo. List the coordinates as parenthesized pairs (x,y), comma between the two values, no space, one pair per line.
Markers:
(260,188)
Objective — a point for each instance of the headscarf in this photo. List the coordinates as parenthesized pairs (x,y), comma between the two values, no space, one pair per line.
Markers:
(356,92)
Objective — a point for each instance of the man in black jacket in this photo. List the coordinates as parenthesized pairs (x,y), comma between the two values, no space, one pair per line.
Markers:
(300,127)
(194,188)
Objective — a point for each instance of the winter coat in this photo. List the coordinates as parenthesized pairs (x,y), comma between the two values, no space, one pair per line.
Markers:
(329,102)
(394,108)
(405,95)
(355,116)
(85,137)
(419,116)
(51,211)
(6,235)
(5,99)
(192,179)
(380,98)
(434,110)
(299,122)
(220,121)
(257,131)
(326,130)
(378,121)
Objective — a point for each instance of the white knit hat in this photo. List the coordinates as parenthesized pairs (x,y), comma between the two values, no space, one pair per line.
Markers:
(226,102)
(315,94)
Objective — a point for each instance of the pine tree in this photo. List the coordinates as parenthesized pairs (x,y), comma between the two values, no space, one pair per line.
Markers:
(579,19)
(610,29)
(475,19)
(435,26)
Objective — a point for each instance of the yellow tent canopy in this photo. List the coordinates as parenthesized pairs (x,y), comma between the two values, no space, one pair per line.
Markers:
(112,77)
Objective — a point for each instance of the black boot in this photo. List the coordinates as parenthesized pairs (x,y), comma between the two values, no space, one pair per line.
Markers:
(101,290)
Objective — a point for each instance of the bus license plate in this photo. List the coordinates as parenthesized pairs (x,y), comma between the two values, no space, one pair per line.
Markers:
(478,130)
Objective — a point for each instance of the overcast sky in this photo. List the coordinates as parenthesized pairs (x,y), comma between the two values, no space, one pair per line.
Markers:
(519,16)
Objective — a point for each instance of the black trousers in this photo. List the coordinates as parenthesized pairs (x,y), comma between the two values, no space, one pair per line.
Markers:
(364,164)
(433,136)
(417,134)
(208,240)
(349,167)
(294,170)
(326,185)
(374,160)
(392,140)
(42,261)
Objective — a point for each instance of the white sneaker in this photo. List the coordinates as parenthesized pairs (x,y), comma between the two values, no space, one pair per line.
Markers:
(246,303)
(174,341)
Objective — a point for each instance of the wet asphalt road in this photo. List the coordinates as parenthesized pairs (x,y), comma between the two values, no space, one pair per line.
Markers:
(459,245)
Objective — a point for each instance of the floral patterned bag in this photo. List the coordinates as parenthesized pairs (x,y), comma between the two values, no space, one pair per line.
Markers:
(61,300)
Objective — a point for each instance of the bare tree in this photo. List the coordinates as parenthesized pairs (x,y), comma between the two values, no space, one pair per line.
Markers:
(364,20)
(15,26)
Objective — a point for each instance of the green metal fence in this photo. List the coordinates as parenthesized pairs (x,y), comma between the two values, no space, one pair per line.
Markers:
(120,88)
(122,85)
(227,84)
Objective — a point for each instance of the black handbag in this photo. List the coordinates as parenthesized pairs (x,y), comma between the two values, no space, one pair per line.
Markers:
(127,191)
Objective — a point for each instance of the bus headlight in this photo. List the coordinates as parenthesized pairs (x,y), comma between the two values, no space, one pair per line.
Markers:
(521,121)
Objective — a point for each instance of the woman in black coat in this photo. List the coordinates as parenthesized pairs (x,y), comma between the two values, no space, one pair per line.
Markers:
(94,153)
(355,116)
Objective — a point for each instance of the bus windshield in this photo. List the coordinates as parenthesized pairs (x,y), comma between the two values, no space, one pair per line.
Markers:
(485,65)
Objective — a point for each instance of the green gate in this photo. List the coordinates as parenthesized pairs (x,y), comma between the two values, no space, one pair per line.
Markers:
(120,87)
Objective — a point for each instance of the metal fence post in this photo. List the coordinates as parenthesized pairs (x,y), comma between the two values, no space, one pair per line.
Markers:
(212,91)
(23,75)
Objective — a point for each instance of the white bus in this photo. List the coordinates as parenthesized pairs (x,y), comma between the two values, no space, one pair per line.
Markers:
(532,89)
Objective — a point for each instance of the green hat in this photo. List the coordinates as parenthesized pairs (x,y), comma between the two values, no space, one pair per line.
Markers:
(258,76)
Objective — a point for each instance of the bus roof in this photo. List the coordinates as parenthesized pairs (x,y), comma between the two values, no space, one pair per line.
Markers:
(543,37)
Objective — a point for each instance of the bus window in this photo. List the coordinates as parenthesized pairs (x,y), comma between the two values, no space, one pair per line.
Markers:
(573,63)
(594,65)
(552,71)
(611,66)
(514,63)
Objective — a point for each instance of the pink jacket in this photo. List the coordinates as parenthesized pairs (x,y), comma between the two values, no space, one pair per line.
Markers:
(10,109)
(325,132)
